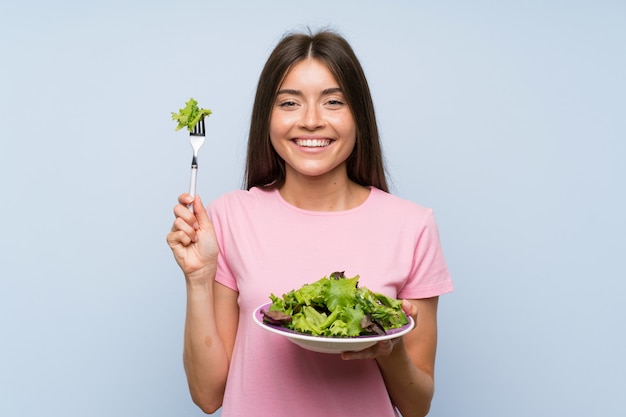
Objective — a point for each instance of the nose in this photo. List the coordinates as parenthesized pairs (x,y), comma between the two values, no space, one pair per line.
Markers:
(312,117)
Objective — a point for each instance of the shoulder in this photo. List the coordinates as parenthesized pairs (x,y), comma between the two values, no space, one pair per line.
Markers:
(390,203)
(240,200)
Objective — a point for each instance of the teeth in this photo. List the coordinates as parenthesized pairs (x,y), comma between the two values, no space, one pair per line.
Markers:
(313,143)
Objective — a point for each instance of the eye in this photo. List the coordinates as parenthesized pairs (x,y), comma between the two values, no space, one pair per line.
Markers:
(287,104)
(335,103)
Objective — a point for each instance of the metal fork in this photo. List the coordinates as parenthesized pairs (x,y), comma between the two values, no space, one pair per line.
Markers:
(196,139)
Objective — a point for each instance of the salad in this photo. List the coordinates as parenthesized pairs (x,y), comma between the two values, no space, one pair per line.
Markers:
(335,306)
(189,115)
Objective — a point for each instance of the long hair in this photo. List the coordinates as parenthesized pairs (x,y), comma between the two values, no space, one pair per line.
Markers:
(264,167)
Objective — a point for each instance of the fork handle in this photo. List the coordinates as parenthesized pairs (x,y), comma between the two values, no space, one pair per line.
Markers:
(192,184)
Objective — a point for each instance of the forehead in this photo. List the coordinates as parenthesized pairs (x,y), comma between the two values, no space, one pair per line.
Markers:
(309,71)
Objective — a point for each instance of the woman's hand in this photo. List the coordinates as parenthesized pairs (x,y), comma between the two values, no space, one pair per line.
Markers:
(385,347)
(192,240)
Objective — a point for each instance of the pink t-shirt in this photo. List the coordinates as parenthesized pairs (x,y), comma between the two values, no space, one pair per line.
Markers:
(269,246)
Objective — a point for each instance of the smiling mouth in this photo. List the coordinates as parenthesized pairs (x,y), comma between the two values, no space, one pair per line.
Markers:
(312,143)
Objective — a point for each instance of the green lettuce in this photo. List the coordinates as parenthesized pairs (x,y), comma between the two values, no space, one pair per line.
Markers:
(189,115)
(337,306)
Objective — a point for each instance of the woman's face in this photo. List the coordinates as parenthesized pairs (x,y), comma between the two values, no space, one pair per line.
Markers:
(311,126)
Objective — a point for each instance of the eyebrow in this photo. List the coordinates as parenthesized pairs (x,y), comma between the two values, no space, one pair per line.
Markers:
(327,91)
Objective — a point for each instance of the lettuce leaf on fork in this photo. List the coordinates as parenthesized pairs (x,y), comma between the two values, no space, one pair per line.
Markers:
(336,306)
(189,115)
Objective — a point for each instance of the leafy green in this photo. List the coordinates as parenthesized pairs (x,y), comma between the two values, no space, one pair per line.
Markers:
(190,115)
(337,306)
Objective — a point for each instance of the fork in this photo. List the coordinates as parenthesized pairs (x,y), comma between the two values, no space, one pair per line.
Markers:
(196,139)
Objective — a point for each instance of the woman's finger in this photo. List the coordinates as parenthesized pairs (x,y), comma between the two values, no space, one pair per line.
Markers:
(183,226)
(182,211)
(177,238)
(409,309)
(382,348)
(185,199)
(200,213)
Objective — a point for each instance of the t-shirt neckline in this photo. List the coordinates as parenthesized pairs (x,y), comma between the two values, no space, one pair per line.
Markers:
(366,202)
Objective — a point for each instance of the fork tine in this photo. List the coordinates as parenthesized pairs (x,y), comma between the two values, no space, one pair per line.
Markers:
(198,129)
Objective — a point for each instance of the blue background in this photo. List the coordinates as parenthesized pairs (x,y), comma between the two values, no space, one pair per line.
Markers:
(507,117)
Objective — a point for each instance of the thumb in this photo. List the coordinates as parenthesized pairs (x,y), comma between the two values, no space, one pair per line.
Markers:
(201,215)
(409,309)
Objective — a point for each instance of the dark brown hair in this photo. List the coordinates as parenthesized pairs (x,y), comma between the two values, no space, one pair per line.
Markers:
(264,167)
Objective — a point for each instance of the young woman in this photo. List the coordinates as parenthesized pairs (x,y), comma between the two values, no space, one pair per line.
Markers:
(315,201)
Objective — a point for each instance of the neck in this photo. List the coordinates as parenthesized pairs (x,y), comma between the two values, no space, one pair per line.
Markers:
(323,194)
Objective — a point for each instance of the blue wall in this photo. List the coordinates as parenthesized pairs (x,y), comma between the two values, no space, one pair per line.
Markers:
(506,117)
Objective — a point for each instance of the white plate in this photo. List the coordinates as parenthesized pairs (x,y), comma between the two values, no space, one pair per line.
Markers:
(328,344)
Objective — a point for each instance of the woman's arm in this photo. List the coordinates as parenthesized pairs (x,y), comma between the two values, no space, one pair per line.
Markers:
(409,369)
(408,364)
(210,327)
(212,311)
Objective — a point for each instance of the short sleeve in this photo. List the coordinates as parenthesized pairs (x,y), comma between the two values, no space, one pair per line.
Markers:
(218,215)
(429,275)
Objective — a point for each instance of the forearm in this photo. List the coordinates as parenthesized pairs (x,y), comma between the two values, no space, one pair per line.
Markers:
(205,357)
(410,388)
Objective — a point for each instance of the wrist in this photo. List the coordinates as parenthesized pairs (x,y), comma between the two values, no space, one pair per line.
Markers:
(201,278)
(398,353)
